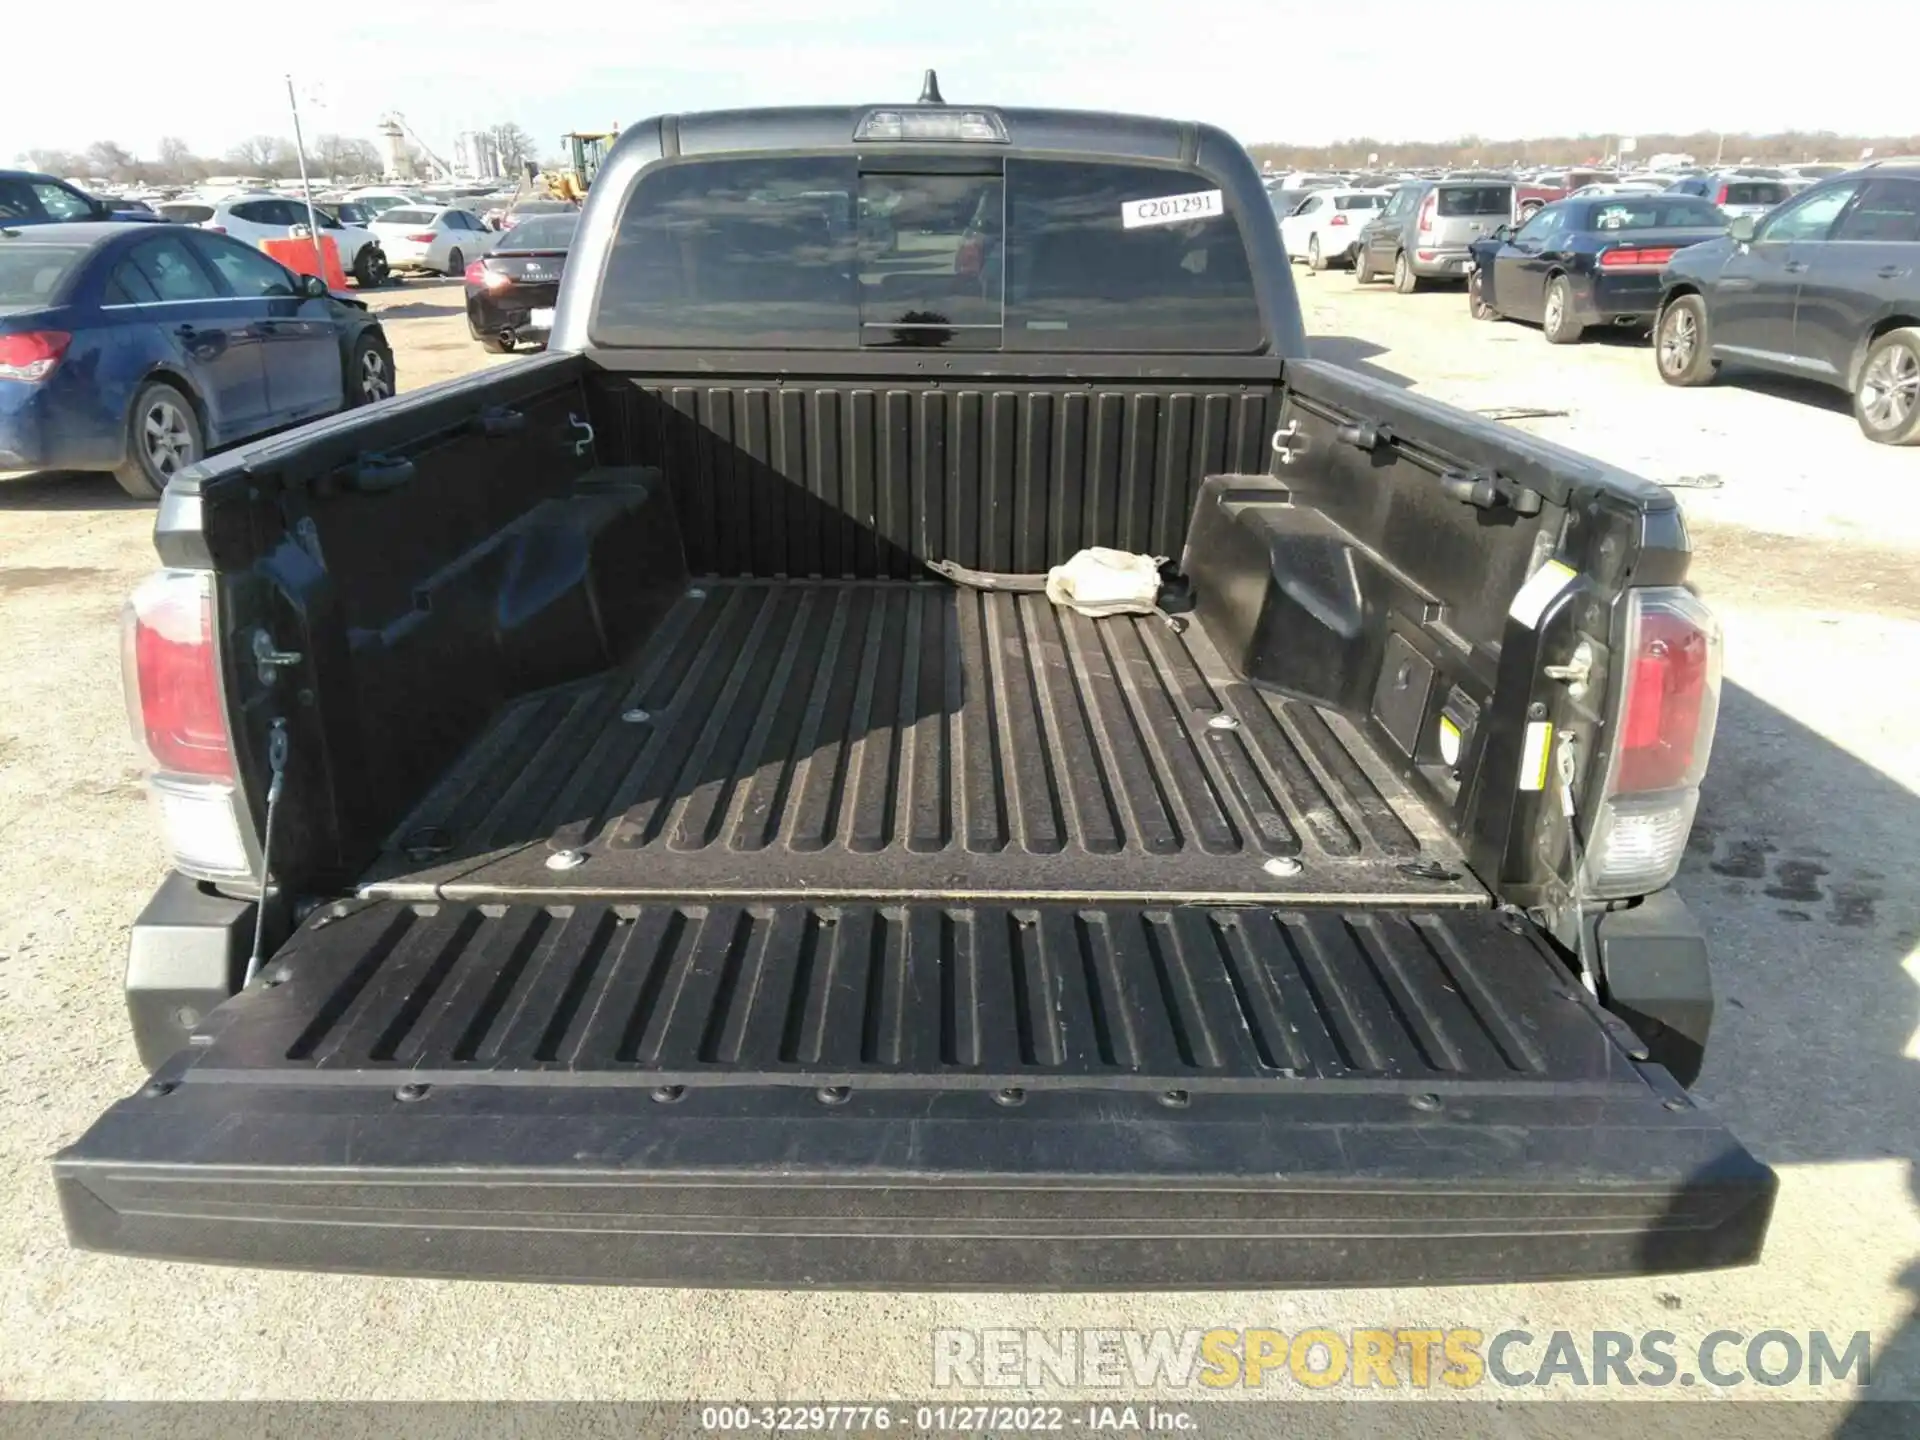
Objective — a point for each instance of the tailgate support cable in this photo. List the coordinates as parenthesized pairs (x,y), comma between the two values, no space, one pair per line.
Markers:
(1578,860)
(277,762)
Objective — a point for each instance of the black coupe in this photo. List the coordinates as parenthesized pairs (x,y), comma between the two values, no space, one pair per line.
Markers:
(1587,261)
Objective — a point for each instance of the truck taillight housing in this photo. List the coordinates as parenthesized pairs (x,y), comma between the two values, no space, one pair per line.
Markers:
(1669,672)
(172,672)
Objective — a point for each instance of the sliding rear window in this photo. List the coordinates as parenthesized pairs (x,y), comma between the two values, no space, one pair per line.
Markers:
(812,253)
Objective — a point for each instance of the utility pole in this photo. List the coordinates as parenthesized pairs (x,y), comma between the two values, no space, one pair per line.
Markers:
(306,187)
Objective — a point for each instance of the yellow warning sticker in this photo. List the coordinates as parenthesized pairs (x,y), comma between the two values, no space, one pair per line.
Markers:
(1534,755)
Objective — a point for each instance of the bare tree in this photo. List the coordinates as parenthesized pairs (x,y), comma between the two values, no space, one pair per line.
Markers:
(511,143)
(56,162)
(344,155)
(178,163)
(114,161)
(259,155)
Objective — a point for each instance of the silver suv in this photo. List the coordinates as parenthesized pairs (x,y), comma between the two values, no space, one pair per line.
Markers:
(1424,232)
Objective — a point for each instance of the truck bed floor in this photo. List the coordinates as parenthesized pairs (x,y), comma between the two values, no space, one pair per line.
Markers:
(902,739)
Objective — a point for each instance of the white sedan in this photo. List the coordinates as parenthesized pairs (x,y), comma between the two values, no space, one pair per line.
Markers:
(433,238)
(1325,226)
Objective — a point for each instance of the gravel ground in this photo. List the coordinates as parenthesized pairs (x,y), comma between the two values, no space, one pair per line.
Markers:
(1801,869)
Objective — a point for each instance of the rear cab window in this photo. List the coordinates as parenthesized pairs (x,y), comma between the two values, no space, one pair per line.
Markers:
(1755,192)
(1457,201)
(1020,254)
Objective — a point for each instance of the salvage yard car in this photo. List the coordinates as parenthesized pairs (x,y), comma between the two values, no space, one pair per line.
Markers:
(1424,232)
(256,217)
(511,292)
(140,348)
(635,814)
(1325,228)
(1582,262)
(441,238)
(1826,287)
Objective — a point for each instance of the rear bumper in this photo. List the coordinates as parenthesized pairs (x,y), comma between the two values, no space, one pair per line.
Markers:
(1439,262)
(1617,299)
(57,424)
(904,1189)
(490,314)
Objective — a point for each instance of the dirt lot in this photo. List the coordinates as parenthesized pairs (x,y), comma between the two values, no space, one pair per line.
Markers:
(1802,868)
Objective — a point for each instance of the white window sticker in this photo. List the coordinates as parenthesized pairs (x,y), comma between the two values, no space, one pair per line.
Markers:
(1532,599)
(1172,209)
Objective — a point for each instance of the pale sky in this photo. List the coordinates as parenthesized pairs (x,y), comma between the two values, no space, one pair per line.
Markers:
(1395,69)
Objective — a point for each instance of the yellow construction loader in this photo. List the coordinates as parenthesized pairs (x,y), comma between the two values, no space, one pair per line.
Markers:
(585,151)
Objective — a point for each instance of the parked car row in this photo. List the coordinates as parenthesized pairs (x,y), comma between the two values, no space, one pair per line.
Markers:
(138,348)
(1822,281)
(1826,287)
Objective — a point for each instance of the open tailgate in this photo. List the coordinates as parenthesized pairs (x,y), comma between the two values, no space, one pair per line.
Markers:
(916,1096)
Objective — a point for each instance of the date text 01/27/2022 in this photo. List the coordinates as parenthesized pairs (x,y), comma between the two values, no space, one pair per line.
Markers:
(957,1418)
(1172,209)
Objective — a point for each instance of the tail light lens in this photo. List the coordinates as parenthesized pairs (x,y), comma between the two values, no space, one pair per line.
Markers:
(172,672)
(1720,196)
(32,354)
(1337,219)
(971,258)
(1627,258)
(423,237)
(1669,672)
(1428,208)
(216,229)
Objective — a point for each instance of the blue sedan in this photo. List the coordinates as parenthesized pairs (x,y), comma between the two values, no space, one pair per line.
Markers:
(140,348)
(1587,261)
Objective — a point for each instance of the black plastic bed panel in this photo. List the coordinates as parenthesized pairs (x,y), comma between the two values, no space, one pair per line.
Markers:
(907,739)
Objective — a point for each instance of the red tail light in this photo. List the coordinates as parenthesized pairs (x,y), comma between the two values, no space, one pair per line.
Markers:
(1626,257)
(173,678)
(1427,209)
(971,258)
(216,229)
(1338,219)
(1721,197)
(32,355)
(1671,677)
(425,237)
(476,273)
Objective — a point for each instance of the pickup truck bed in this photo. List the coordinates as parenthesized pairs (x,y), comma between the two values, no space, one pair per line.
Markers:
(684,850)
(885,740)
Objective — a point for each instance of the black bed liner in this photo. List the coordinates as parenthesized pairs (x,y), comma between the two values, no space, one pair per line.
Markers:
(897,739)
(910,995)
(917,1096)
